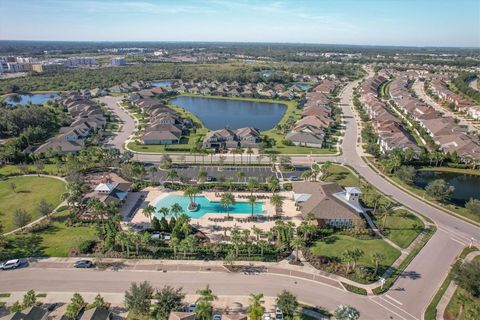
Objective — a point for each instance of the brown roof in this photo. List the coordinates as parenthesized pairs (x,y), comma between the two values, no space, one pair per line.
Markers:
(322,201)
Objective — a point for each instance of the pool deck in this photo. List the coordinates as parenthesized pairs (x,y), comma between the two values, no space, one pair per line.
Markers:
(217,228)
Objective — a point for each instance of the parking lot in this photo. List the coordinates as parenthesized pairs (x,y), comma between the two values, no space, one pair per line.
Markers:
(221,173)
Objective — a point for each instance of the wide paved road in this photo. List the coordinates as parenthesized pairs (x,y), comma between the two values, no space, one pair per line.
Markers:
(222,283)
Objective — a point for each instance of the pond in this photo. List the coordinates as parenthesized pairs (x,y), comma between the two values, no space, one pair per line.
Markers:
(466,185)
(36,98)
(162,83)
(220,113)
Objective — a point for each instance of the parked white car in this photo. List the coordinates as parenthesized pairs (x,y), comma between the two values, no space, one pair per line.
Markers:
(11,264)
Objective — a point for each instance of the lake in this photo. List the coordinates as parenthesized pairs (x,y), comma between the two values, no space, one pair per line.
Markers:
(466,185)
(36,98)
(162,83)
(220,113)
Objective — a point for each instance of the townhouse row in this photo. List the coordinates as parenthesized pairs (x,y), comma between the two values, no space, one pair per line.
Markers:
(316,117)
(88,117)
(447,135)
(389,129)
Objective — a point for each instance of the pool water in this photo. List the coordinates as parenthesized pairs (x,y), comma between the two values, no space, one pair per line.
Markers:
(207,206)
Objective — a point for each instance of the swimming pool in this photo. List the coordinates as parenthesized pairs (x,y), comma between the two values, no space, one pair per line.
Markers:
(207,206)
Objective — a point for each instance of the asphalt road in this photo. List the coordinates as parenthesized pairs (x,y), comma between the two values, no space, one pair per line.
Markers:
(127,122)
(222,283)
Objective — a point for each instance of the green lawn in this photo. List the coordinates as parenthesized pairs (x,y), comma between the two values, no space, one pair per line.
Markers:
(334,245)
(55,241)
(27,195)
(402,227)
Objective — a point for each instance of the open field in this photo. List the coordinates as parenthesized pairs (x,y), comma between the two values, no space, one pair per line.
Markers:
(54,241)
(28,192)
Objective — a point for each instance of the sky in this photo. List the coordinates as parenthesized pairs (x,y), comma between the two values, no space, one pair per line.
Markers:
(364,22)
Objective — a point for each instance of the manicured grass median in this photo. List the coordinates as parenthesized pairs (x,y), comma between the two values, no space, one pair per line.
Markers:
(28,193)
(333,246)
(402,227)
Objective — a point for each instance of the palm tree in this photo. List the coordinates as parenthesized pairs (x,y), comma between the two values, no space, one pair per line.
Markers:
(252,185)
(277,202)
(252,200)
(136,238)
(120,239)
(272,183)
(233,152)
(377,257)
(240,151)
(263,245)
(206,295)
(173,244)
(257,232)
(148,211)
(176,210)
(347,257)
(387,210)
(256,309)
(249,152)
(240,175)
(203,311)
(297,242)
(235,238)
(356,255)
(165,211)
(226,201)
(307,175)
(172,175)
(190,192)
(153,172)
(202,176)
(97,208)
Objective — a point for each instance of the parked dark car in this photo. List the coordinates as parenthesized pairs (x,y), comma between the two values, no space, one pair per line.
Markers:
(84,264)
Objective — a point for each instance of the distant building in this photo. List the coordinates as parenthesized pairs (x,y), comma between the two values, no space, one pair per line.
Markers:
(118,61)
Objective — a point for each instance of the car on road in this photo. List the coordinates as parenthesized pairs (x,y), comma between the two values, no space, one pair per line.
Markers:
(266,316)
(191,308)
(11,264)
(294,178)
(83,264)
(217,317)
(211,179)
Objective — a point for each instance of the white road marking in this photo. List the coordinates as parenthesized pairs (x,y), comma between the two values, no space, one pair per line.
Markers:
(399,308)
(458,241)
(388,309)
(394,300)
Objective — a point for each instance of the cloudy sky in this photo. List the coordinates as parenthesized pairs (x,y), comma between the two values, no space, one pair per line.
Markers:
(370,22)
